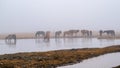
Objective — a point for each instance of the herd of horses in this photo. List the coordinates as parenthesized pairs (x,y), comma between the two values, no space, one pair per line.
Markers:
(11,38)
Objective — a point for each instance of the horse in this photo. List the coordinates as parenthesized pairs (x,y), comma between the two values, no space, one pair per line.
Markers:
(101,32)
(9,39)
(67,33)
(108,32)
(90,33)
(74,32)
(57,34)
(47,36)
(85,32)
(39,34)
(70,33)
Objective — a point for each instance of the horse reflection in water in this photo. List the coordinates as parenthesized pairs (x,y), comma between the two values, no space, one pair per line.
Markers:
(45,36)
(108,32)
(11,39)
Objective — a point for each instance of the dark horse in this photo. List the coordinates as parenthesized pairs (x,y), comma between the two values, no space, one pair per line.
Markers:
(90,33)
(39,34)
(9,39)
(101,32)
(57,34)
(108,32)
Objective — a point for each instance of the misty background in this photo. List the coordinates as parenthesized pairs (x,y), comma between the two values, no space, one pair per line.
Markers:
(35,15)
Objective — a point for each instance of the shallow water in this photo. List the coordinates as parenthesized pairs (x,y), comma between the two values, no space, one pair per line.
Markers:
(30,45)
(104,61)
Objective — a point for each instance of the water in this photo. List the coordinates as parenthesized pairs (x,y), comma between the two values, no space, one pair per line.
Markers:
(105,61)
(30,45)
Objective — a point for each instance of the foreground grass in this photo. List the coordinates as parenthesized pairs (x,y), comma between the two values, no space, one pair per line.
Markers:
(52,59)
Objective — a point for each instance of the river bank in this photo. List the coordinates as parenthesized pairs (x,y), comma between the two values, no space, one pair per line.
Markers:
(117,66)
(53,59)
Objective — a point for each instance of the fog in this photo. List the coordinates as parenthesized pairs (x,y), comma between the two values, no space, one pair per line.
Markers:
(34,15)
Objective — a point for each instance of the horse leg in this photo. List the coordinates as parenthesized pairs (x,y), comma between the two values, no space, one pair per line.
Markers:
(82,34)
(88,34)
(113,34)
(14,41)
(64,35)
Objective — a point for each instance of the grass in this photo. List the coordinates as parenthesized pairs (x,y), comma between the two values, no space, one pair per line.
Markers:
(52,59)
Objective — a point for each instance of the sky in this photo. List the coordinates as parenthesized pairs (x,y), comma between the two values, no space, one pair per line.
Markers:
(53,15)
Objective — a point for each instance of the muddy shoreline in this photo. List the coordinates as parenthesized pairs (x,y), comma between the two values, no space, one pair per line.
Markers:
(117,66)
(53,59)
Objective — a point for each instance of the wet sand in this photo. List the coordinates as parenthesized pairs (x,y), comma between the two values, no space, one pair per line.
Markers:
(53,59)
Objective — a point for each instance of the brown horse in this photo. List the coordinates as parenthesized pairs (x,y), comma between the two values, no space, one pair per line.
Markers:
(67,33)
(70,33)
(85,32)
(74,32)
(47,36)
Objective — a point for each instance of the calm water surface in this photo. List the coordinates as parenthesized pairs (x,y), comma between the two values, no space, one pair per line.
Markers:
(105,61)
(30,45)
